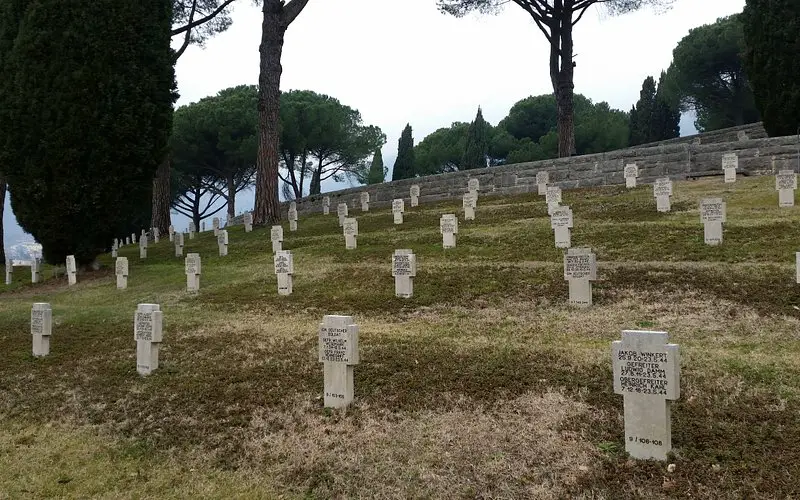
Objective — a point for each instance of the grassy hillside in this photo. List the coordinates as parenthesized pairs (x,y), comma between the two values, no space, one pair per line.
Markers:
(485,383)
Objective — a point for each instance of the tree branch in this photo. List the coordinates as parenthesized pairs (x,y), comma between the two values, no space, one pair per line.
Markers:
(293,9)
(188,37)
(204,20)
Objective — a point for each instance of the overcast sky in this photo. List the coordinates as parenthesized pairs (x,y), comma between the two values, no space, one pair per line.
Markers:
(405,62)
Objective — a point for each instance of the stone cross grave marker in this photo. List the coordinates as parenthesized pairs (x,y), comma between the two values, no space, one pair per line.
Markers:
(364,201)
(276,235)
(148,323)
(35,270)
(338,352)
(156,235)
(284,269)
(730,163)
(215,225)
(193,271)
(143,247)
(580,267)
(128,240)
(473,186)
(561,221)
(9,271)
(293,218)
(647,374)
(414,192)
(72,270)
(114,249)
(192,230)
(398,206)
(121,270)
(631,173)
(350,233)
(662,190)
(133,238)
(341,211)
(553,198)
(785,184)
(171,233)
(248,222)
(222,242)
(404,268)
(712,215)
(326,205)
(542,180)
(468,202)
(41,328)
(448,226)
(178,244)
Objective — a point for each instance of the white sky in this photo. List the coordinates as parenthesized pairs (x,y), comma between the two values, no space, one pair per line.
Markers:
(405,62)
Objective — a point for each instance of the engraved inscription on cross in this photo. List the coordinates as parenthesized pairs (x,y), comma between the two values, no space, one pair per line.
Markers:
(448,226)
(398,207)
(553,198)
(580,267)
(561,221)
(72,270)
(292,216)
(350,230)
(41,328)
(193,271)
(647,374)
(178,244)
(730,163)
(712,215)
(276,235)
(338,351)
(542,180)
(147,332)
(284,269)
(662,190)
(404,269)
(364,201)
(785,184)
(341,211)
(414,192)
(631,172)
(121,270)
(326,205)
(469,202)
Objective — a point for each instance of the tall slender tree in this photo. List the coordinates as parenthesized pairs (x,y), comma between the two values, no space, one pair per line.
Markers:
(555,19)
(404,164)
(377,171)
(278,15)
(477,146)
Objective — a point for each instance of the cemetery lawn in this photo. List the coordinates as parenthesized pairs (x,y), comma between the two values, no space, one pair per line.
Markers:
(484,384)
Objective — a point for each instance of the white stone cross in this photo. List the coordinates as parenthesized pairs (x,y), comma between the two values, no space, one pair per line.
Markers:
(338,352)
(398,207)
(404,268)
(468,203)
(647,374)
(192,230)
(553,198)
(222,242)
(341,211)
(143,247)
(473,186)
(561,222)
(284,269)
(293,217)
(414,192)
(248,222)
(193,271)
(72,270)
(448,226)
(215,225)
(9,271)
(730,163)
(171,233)
(156,235)
(276,235)
(365,201)
(542,180)
(128,240)
(350,233)
(631,173)
(41,328)
(121,270)
(326,205)
(133,238)
(580,267)
(35,270)
(662,190)
(114,249)
(179,244)
(148,333)
(712,215)
(785,184)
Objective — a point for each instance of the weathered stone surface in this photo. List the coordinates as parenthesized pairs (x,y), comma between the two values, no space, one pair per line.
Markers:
(338,351)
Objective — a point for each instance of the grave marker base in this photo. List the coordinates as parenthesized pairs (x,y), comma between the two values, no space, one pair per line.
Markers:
(580,293)
(663,204)
(563,237)
(339,387)
(712,233)
(284,284)
(785,198)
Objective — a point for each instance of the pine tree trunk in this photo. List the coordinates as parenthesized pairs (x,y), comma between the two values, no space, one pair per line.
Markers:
(2,207)
(161,198)
(565,89)
(231,198)
(316,187)
(267,205)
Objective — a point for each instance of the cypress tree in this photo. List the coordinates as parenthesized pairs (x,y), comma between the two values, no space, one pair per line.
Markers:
(771,60)
(477,146)
(653,118)
(404,164)
(376,171)
(667,115)
(84,117)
